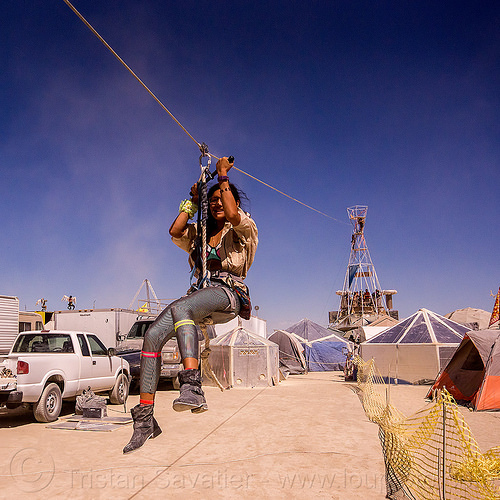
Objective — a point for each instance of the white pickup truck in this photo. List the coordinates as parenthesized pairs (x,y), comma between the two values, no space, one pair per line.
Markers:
(45,367)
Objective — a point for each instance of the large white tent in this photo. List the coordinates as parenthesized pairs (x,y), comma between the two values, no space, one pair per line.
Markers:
(416,349)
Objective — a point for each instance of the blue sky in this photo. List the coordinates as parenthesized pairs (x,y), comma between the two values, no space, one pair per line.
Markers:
(394,105)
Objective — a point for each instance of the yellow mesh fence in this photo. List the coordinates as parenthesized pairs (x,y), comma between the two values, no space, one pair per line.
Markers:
(431,455)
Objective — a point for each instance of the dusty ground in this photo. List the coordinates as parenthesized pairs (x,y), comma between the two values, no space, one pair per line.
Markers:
(306,438)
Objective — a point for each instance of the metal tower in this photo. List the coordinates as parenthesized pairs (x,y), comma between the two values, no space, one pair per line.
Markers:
(361,298)
(148,305)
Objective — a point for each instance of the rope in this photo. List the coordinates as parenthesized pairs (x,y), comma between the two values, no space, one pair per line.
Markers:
(101,39)
(150,92)
(288,196)
(202,221)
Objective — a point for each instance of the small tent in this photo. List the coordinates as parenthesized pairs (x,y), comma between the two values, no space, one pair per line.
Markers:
(327,353)
(291,352)
(416,349)
(308,330)
(473,373)
(241,358)
(323,348)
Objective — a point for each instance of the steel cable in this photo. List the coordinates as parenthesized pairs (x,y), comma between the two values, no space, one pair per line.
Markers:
(151,93)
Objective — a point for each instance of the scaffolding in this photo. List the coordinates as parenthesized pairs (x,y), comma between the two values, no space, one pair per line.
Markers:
(362,297)
(151,304)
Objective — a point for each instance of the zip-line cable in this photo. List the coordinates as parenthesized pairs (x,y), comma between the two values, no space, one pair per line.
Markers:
(151,93)
(106,44)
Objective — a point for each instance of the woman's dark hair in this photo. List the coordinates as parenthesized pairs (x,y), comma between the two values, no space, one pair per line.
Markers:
(238,195)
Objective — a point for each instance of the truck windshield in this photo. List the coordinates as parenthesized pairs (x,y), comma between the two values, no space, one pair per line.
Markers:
(138,329)
(39,342)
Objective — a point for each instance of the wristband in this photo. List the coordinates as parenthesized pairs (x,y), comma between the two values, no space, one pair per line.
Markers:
(188,207)
(222,178)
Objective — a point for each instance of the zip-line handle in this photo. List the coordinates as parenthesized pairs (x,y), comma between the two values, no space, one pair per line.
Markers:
(210,175)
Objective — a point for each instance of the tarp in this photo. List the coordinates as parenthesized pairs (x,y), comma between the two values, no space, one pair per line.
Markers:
(323,348)
(473,373)
(291,352)
(416,349)
(327,353)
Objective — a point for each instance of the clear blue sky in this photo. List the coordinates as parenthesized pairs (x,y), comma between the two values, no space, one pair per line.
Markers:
(394,105)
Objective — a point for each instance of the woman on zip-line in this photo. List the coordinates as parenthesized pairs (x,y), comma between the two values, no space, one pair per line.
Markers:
(232,239)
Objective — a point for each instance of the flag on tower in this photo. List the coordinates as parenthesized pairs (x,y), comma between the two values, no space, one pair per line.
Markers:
(495,315)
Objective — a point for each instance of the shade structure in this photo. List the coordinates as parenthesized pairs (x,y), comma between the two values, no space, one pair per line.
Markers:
(324,349)
(291,352)
(241,358)
(327,353)
(473,373)
(416,349)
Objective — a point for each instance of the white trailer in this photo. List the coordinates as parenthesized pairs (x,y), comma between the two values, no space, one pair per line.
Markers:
(9,322)
(109,324)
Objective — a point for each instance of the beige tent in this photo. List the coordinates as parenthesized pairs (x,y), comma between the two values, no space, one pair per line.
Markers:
(477,319)
(416,349)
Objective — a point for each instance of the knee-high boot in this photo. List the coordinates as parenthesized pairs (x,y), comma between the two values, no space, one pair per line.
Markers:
(145,427)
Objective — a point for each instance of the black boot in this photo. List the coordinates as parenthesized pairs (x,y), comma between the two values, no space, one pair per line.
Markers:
(145,427)
(192,396)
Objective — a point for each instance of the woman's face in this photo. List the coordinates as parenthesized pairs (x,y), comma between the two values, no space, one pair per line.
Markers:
(216,206)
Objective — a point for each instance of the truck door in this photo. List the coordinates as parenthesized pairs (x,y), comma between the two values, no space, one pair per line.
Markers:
(102,366)
(86,363)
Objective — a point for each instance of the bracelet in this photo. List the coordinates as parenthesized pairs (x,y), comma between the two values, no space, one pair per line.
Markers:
(188,207)
(222,178)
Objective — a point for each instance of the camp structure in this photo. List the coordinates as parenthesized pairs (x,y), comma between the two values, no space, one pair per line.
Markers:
(324,349)
(327,353)
(473,373)
(291,352)
(369,330)
(476,319)
(240,358)
(416,349)
(308,330)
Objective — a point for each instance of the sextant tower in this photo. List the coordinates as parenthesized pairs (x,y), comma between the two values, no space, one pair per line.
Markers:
(362,300)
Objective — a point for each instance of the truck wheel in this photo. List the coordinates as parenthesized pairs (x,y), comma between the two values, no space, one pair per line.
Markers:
(119,394)
(48,407)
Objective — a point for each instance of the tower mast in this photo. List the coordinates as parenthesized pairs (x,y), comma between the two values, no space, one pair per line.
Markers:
(361,297)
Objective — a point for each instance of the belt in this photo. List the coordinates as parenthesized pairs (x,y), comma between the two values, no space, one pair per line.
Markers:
(228,279)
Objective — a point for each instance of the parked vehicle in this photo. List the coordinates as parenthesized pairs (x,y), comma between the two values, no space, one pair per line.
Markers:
(109,324)
(45,367)
(130,349)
